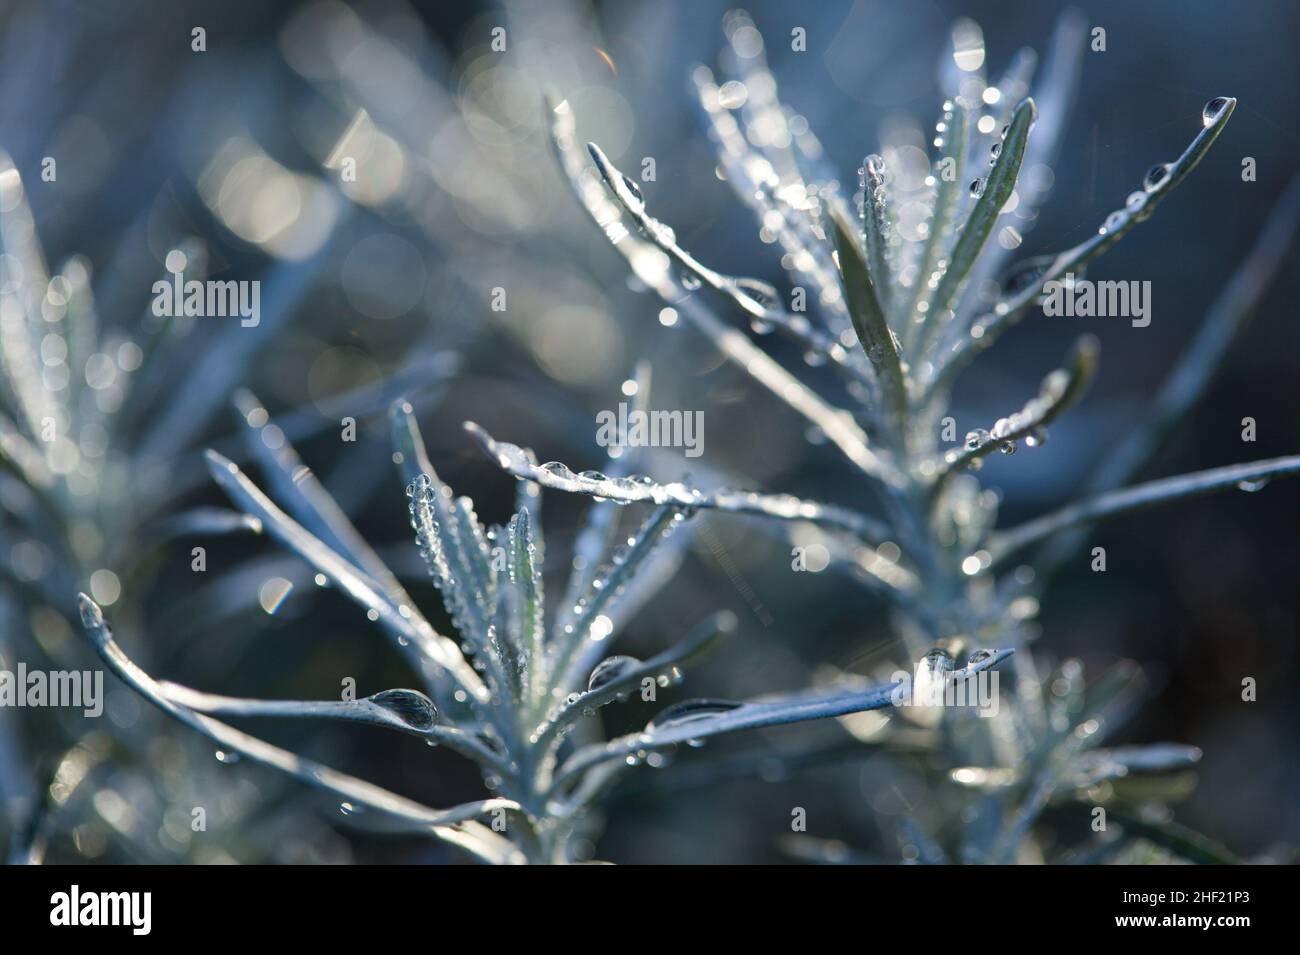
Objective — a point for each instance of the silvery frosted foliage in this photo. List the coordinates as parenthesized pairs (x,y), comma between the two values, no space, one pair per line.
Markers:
(1034,783)
(81,497)
(907,281)
(516,692)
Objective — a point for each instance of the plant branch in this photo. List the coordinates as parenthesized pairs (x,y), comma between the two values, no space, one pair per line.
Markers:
(1190,379)
(1060,389)
(435,822)
(634,489)
(646,263)
(1008,311)
(1105,506)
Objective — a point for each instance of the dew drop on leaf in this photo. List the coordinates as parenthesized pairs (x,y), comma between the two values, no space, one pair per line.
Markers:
(410,706)
(1212,109)
(1155,176)
(608,670)
(689,710)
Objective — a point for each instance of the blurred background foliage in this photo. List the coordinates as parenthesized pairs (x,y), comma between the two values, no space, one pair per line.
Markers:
(386,283)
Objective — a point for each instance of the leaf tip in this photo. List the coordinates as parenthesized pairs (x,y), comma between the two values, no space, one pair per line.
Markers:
(92,617)
(218,463)
(1087,349)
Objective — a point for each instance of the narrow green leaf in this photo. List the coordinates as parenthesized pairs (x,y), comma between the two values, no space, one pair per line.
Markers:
(948,185)
(526,579)
(877,340)
(997,190)
(875,229)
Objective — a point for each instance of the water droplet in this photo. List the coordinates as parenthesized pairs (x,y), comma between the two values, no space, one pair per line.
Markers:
(690,281)
(732,95)
(1212,109)
(934,666)
(1155,176)
(978,657)
(690,710)
(1023,276)
(1114,221)
(763,294)
(1036,438)
(995,152)
(1250,487)
(1135,201)
(608,670)
(410,706)
(633,188)
(977,188)
(976,438)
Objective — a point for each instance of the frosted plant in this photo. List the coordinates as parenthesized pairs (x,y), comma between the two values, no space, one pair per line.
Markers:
(901,305)
(81,501)
(899,314)
(90,492)
(1040,759)
(516,692)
